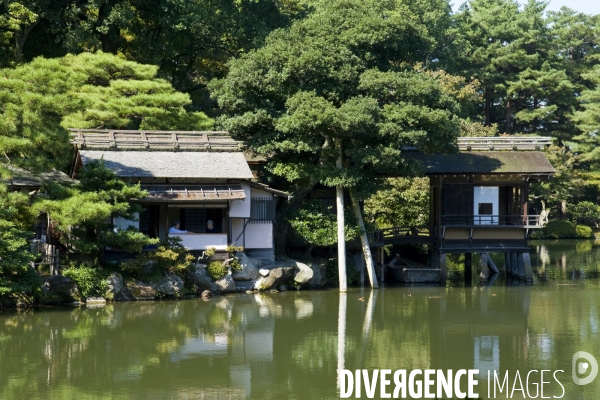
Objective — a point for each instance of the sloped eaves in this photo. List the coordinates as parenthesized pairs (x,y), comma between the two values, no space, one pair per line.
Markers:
(168,164)
(483,162)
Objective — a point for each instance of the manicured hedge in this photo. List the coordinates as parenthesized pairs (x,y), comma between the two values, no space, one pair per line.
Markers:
(559,230)
(583,231)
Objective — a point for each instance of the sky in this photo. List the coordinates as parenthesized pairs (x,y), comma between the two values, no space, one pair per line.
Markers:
(584,6)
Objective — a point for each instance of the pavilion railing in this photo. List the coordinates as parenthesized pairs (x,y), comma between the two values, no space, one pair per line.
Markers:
(526,221)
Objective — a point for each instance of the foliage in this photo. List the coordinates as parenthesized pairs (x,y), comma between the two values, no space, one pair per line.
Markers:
(210,252)
(332,272)
(235,265)
(585,212)
(170,257)
(90,280)
(559,229)
(217,270)
(231,249)
(82,214)
(317,224)
(16,273)
(582,231)
(404,203)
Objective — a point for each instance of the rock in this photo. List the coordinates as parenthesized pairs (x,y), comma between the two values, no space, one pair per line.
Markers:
(226,284)
(304,274)
(264,271)
(200,279)
(277,276)
(170,285)
(207,294)
(114,286)
(283,288)
(140,290)
(249,291)
(95,300)
(249,270)
(319,278)
(59,289)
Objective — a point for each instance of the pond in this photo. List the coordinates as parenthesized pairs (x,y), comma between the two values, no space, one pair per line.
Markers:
(285,345)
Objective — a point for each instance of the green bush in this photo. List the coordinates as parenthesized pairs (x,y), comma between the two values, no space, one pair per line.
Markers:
(583,231)
(559,230)
(90,280)
(170,257)
(235,265)
(332,274)
(217,270)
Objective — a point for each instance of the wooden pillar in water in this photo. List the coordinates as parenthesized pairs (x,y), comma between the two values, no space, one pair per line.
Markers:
(527,268)
(507,264)
(468,269)
(521,266)
(514,264)
(485,272)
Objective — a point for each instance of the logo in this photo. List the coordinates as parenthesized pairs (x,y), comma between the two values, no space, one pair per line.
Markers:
(582,367)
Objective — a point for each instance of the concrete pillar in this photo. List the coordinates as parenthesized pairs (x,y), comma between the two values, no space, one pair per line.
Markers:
(468,269)
(485,272)
(527,269)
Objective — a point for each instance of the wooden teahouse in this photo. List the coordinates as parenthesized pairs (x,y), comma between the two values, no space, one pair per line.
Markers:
(479,201)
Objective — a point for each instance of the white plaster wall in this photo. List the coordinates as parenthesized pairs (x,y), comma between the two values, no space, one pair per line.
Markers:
(237,226)
(486,194)
(203,241)
(259,236)
(241,208)
(122,223)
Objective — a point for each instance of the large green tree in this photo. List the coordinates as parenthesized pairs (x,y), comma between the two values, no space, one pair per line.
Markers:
(339,83)
(40,99)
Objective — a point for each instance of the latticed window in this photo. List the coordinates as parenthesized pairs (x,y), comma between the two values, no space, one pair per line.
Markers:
(262,210)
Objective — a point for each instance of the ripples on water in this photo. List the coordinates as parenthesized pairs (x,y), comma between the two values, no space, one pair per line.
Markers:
(285,345)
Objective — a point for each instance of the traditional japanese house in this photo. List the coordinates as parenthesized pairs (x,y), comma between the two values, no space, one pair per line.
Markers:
(191,177)
(479,200)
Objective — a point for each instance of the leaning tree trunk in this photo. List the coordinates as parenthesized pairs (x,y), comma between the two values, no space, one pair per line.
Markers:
(339,197)
(364,240)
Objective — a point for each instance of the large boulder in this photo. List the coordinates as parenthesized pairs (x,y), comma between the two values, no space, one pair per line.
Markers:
(170,285)
(59,289)
(116,289)
(200,279)
(140,290)
(319,278)
(277,277)
(249,270)
(304,273)
(225,285)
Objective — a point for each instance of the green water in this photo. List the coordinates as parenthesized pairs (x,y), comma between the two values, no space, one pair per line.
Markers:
(286,345)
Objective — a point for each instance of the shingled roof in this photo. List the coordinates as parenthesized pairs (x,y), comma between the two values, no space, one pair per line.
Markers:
(33,180)
(169,164)
(484,162)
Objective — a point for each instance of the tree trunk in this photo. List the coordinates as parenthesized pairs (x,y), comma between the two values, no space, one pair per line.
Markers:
(282,226)
(339,200)
(563,209)
(508,125)
(364,240)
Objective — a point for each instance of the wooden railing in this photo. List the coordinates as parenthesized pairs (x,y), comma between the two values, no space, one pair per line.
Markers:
(525,221)
(158,140)
(380,235)
(504,143)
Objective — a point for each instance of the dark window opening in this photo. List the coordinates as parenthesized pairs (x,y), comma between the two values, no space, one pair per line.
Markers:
(196,219)
(485,209)
(149,220)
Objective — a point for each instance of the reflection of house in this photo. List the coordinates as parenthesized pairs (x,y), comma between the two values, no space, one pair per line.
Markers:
(191,177)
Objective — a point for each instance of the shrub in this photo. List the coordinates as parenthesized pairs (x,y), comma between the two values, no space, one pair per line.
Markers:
(234,249)
(89,280)
(170,257)
(332,274)
(217,270)
(235,265)
(583,231)
(559,229)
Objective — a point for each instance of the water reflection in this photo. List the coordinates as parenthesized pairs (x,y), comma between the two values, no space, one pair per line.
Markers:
(292,344)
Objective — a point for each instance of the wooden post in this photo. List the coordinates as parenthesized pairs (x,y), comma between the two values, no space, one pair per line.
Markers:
(468,269)
(527,268)
(339,195)
(484,273)
(382,258)
(521,265)
(514,262)
(341,356)
(364,240)
(507,264)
